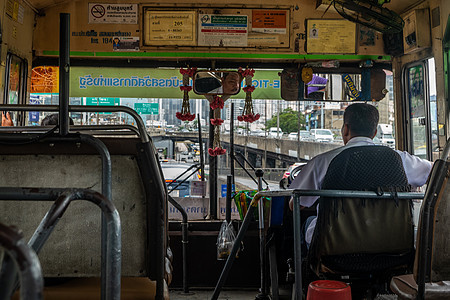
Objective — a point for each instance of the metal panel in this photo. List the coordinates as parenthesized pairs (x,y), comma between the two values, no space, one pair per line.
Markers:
(74,247)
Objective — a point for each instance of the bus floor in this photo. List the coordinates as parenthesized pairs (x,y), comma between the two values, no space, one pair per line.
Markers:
(132,288)
(225,294)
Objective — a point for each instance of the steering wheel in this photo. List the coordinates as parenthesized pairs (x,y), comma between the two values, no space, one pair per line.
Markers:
(295,172)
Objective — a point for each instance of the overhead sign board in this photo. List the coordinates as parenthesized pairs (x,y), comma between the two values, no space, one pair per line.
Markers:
(101,101)
(147,108)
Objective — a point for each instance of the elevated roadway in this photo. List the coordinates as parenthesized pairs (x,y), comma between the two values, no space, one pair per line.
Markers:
(260,151)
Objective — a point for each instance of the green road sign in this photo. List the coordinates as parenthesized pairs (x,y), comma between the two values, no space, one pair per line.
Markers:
(147,108)
(101,101)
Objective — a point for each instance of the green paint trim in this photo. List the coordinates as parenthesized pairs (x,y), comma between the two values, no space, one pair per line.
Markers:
(226,55)
(72,53)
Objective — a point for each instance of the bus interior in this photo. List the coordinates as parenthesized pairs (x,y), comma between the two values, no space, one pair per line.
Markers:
(101,101)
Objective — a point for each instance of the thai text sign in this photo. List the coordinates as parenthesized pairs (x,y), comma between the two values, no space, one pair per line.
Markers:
(351,86)
(269,21)
(168,27)
(223,30)
(154,83)
(113,13)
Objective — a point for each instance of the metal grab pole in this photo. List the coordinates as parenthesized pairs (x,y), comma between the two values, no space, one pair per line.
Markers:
(232,142)
(297,248)
(237,243)
(213,161)
(64,66)
(184,241)
(228,199)
(262,241)
(202,155)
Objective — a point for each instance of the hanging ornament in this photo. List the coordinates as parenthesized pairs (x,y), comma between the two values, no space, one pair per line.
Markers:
(216,122)
(307,74)
(185,114)
(248,114)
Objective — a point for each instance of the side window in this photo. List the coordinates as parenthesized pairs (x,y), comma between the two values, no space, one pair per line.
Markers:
(16,83)
(421,103)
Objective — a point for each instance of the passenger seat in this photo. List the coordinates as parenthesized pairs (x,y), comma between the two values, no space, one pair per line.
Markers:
(431,275)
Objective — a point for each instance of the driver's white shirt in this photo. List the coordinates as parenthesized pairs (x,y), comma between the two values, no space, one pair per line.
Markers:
(313,173)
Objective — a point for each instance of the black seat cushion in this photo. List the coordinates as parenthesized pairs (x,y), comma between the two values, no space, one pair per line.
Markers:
(363,235)
(366,168)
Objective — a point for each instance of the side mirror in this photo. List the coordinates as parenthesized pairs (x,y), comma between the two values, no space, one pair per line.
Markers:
(217,82)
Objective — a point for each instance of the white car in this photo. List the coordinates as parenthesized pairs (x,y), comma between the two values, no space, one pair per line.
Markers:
(304,136)
(322,135)
(273,132)
(293,136)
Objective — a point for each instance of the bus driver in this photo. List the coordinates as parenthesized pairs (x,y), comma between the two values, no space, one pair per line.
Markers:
(359,128)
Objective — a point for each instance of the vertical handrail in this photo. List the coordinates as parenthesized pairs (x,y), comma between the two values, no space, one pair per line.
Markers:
(64,68)
(202,154)
(106,191)
(213,161)
(297,248)
(236,245)
(262,241)
(228,199)
(184,241)
(232,141)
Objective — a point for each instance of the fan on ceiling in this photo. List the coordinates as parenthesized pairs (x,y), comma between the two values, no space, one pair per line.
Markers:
(370,13)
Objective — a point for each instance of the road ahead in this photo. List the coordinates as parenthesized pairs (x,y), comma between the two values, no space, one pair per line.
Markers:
(246,183)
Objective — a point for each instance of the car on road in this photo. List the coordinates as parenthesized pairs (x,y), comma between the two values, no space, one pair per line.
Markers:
(275,132)
(322,135)
(293,136)
(257,132)
(304,136)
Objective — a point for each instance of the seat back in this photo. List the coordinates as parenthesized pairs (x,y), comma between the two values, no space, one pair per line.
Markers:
(354,235)
(440,264)
(432,263)
(73,249)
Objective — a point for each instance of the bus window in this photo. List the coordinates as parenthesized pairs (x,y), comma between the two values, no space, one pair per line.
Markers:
(421,103)
(416,100)
(16,84)
(433,110)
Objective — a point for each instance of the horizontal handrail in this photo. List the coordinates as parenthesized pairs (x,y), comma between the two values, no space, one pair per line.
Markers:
(132,129)
(338,193)
(81,108)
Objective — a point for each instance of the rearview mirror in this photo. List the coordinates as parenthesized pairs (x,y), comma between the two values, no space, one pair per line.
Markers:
(217,83)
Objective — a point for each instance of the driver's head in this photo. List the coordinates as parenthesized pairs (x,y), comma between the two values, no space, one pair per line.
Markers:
(360,119)
(231,82)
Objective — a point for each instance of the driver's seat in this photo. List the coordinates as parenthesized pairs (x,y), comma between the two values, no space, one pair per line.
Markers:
(357,237)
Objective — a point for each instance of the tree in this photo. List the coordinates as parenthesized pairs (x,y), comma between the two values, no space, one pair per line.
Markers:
(288,121)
